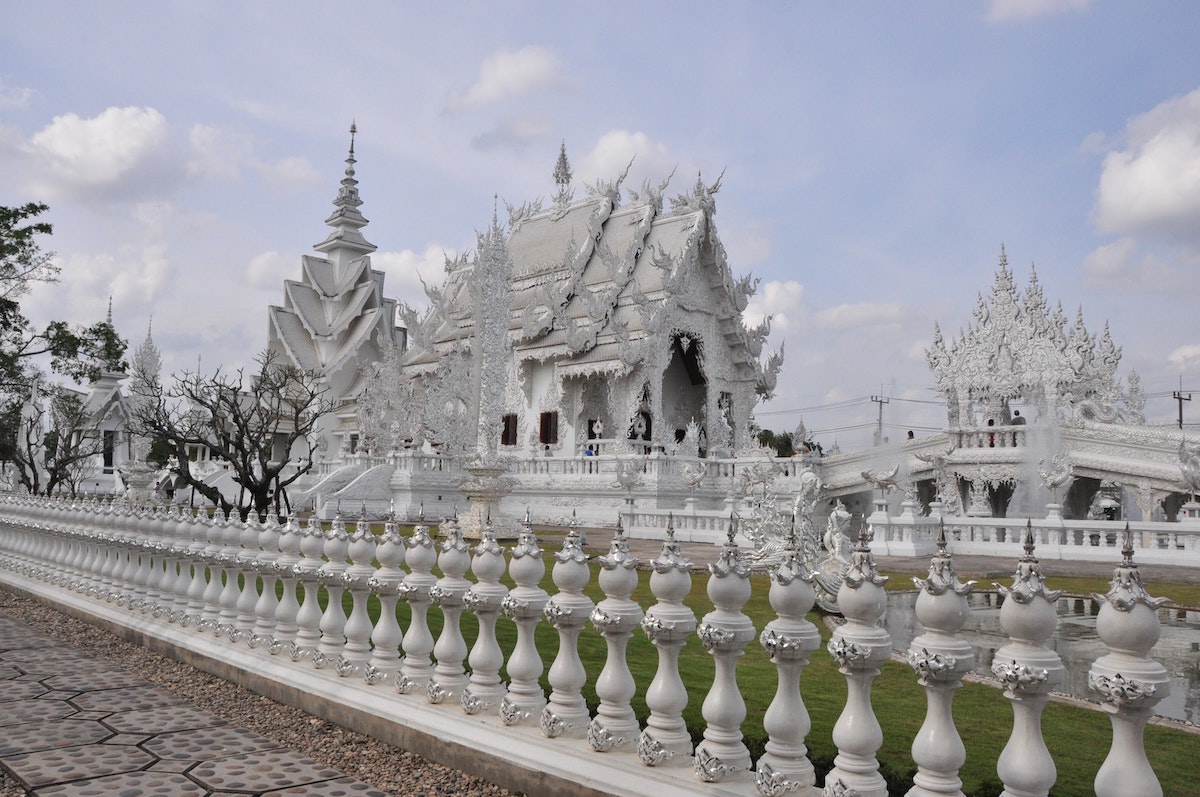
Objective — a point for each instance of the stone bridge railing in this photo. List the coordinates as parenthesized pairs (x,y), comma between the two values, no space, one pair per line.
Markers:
(243,599)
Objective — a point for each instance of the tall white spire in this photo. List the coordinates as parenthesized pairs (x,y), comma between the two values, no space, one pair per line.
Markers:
(346,242)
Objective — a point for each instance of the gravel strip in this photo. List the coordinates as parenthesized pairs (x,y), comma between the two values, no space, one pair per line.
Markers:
(384,767)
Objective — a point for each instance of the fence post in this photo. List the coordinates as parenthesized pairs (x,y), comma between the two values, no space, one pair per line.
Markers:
(1029,671)
(940,657)
(420,556)
(859,647)
(615,726)
(449,677)
(668,624)
(566,713)
(386,637)
(1129,682)
(485,598)
(524,605)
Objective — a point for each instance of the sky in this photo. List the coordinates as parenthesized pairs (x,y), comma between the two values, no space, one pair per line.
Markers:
(874,158)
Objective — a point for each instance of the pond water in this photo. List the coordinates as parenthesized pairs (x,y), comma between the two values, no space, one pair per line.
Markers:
(1076,642)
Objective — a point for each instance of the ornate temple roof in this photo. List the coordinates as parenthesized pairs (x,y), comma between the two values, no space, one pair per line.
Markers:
(1019,349)
(595,283)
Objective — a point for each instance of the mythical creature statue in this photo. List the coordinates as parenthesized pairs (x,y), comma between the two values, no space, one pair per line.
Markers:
(1189,465)
(885,480)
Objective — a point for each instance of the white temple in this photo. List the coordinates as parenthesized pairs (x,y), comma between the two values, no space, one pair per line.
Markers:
(586,328)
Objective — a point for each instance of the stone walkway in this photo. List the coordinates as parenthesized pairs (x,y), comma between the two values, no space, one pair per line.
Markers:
(72,725)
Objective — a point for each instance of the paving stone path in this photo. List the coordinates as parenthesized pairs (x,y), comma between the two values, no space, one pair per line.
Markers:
(72,725)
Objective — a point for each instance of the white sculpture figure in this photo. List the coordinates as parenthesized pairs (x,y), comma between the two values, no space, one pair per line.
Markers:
(830,572)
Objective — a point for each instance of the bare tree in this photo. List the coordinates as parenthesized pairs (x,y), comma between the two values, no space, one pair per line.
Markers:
(51,439)
(261,424)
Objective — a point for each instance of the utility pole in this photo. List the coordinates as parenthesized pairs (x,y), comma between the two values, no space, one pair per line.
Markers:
(880,400)
(1180,398)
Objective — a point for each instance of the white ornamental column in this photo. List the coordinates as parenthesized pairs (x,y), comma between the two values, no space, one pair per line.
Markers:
(615,726)
(940,657)
(524,606)
(308,619)
(228,600)
(449,677)
(725,632)
(665,741)
(859,646)
(1129,682)
(290,540)
(789,640)
(1029,672)
(333,620)
(566,713)
(353,660)
(420,556)
(485,599)
(269,540)
(386,637)
(213,584)
(248,598)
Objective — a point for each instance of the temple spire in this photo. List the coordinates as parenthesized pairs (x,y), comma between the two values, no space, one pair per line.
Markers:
(562,177)
(346,242)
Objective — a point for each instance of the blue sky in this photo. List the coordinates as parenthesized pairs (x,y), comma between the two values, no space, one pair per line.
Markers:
(875,155)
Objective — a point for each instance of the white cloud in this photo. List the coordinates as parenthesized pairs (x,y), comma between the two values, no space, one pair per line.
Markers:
(1185,356)
(120,153)
(1015,10)
(860,314)
(289,174)
(510,73)
(615,151)
(1152,187)
(267,270)
(512,133)
(782,300)
(14,96)
(747,245)
(404,271)
(216,153)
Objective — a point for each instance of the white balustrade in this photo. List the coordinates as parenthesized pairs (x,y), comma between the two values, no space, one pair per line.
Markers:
(724,632)
(357,650)
(386,636)
(789,640)
(1029,671)
(333,620)
(1127,680)
(940,657)
(485,690)
(668,624)
(523,605)
(156,567)
(449,676)
(859,646)
(420,555)
(615,726)
(243,626)
(566,711)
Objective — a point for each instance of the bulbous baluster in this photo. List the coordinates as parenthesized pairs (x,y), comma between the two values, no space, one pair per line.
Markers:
(420,556)
(333,621)
(247,573)
(263,631)
(789,640)
(308,619)
(940,657)
(181,558)
(665,741)
(358,628)
(485,690)
(859,646)
(1029,672)
(288,607)
(227,620)
(213,553)
(725,632)
(615,726)
(1129,682)
(198,552)
(524,606)
(449,677)
(386,637)
(566,712)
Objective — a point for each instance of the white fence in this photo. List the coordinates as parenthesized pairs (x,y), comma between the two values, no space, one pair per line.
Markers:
(243,599)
